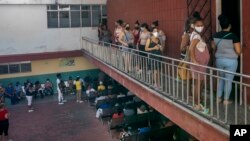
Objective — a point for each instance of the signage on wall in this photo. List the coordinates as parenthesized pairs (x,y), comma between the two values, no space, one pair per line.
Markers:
(64,62)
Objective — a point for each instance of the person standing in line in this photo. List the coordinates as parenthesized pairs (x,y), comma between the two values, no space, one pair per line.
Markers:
(144,36)
(126,39)
(228,49)
(105,36)
(153,46)
(185,40)
(199,54)
(29,96)
(59,90)
(162,36)
(136,32)
(118,31)
(4,123)
(78,84)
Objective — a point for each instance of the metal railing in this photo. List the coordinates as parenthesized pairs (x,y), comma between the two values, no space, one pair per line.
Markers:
(161,74)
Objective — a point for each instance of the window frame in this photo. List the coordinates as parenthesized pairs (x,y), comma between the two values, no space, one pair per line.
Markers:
(90,10)
(19,67)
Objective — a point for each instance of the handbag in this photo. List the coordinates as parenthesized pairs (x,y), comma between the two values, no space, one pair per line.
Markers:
(130,45)
(182,71)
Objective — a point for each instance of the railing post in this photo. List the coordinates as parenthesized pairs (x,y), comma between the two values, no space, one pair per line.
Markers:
(211,92)
(173,77)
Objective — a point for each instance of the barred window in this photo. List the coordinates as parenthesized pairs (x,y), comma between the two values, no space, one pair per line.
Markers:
(67,16)
(18,67)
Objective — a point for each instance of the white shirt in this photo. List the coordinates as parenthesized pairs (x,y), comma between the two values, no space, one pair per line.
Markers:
(57,83)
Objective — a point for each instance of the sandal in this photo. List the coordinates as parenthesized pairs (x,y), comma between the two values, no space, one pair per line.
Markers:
(219,100)
(197,107)
(227,102)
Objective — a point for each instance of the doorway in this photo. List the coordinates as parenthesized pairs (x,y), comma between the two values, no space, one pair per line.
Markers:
(232,9)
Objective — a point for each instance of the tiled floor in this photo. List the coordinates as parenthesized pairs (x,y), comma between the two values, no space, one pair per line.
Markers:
(52,122)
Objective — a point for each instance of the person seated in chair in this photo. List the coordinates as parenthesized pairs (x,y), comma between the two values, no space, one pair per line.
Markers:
(118,113)
(38,89)
(48,87)
(142,109)
(101,87)
(128,111)
(90,91)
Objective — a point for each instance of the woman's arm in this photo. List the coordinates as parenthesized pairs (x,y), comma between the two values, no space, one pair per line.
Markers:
(237,48)
(213,45)
(121,39)
(192,50)
(6,116)
(150,49)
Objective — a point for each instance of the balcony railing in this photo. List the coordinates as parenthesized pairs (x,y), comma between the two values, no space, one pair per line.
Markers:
(161,74)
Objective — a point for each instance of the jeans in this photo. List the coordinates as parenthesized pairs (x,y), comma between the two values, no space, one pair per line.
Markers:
(60,95)
(225,84)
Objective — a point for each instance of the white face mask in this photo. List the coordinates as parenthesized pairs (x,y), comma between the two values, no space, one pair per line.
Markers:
(199,29)
(142,28)
(156,34)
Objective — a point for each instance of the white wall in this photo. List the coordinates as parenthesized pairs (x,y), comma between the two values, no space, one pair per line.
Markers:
(23,30)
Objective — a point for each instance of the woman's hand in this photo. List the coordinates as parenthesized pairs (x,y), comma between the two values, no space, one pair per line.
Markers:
(157,47)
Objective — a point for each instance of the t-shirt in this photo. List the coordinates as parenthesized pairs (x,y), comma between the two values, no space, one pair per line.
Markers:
(128,112)
(225,48)
(101,88)
(116,115)
(78,85)
(9,90)
(2,114)
(57,83)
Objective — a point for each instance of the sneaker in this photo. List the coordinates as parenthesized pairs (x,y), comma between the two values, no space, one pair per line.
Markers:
(30,111)
(60,103)
(64,101)
(80,101)
(77,101)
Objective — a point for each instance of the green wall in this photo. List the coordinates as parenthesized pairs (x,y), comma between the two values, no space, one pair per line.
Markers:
(52,77)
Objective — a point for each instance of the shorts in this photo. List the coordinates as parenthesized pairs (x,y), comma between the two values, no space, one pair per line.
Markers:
(29,99)
(4,127)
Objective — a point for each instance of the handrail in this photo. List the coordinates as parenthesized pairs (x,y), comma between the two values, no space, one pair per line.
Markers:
(170,58)
(161,74)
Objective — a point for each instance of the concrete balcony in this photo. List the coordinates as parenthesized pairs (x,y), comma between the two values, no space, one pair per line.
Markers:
(173,97)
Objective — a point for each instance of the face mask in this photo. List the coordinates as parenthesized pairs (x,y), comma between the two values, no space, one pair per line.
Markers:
(199,29)
(142,28)
(156,34)
(136,27)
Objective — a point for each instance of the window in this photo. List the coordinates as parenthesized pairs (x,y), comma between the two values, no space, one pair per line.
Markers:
(104,10)
(65,16)
(4,69)
(96,15)
(64,19)
(86,16)
(15,67)
(26,67)
(52,19)
(75,15)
